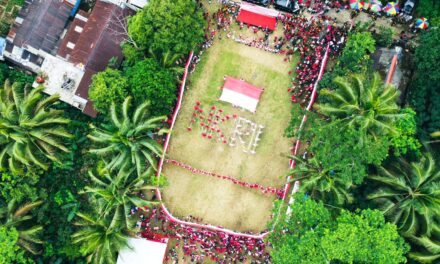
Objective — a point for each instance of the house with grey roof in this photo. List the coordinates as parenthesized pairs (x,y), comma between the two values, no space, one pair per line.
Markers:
(66,47)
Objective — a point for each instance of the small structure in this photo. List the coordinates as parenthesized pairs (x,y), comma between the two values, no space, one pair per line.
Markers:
(143,251)
(67,53)
(258,16)
(240,93)
(133,4)
(2,47)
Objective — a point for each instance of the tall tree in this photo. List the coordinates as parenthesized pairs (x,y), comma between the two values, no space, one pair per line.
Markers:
(409,194)
(100,238)
(168,25)
(424,94)
(337,161)
(367,105)
(309,234)
(129,140)
(17,216)
(148,81)
(119,193)
(30,131)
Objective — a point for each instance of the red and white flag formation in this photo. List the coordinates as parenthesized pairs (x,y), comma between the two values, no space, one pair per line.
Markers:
(241,93)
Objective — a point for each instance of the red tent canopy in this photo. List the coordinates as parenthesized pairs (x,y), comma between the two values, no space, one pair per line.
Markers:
(242,87)
(257,19)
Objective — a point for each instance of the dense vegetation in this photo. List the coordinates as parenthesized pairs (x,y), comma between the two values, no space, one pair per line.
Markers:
(363,161)
(79,172)
(369,190)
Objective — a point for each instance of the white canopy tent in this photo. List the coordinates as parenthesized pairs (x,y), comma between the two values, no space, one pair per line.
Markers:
(142,251)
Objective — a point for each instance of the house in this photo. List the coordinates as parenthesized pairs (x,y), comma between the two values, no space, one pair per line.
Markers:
(67,47)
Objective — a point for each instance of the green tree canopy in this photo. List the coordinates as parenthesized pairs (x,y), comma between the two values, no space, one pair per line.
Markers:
(356,54)
(148,81)
(118,193)
(366,105)
(405,141)
(311,235)
(425,87)
(129,140)
(10,252)
(107,87)
(100,239)
(168,25)
(13,215)
(408,194)
(339,161)
(31,132)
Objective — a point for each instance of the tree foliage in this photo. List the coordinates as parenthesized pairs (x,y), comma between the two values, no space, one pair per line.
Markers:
(31,132)
(10,252)
(148,81)
(408,194)
(311,235)
(128,141)
(99,240)
(339,161)
(119,193)
(175,25)
(405,141)
(108,87)
(13,215)
(363,104)
(425,87)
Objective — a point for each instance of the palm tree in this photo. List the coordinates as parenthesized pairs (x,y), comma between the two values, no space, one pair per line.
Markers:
(321,183)
(30,132)
(99,237)
(426,249)
(167,60)
(410,196)
(117,194)
(128,141)
(14,216)
(369,105)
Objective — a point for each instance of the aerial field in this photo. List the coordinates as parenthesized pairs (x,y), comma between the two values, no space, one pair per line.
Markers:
(217,201)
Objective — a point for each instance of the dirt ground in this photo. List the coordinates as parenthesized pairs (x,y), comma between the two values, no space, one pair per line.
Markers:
(216,201)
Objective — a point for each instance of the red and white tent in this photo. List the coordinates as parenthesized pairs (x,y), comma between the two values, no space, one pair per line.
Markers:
(258,16)
(241,93)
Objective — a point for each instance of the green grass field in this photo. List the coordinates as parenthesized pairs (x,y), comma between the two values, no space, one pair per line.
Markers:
(200,195)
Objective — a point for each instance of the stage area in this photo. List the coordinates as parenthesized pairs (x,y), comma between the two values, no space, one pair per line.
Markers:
(216,201)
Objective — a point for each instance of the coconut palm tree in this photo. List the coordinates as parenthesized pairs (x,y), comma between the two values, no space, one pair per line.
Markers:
(100,238)
(321,183)
(118,193)
(14,216)
(410,194)
(369,105)
(426,249)
(129,140)
(30,132)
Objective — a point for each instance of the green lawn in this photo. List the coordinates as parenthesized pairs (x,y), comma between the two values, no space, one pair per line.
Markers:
(193,194)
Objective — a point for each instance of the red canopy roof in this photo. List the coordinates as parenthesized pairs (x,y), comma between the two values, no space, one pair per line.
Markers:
(242,87)
(256,19)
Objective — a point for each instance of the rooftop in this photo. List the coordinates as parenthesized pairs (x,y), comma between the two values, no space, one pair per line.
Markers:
(40,24)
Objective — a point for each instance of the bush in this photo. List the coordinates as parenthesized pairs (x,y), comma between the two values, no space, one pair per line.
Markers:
(384,37)
(108,87)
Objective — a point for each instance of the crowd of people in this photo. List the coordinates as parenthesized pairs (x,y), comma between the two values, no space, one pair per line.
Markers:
(198,245)
(278,192)
(309,38)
